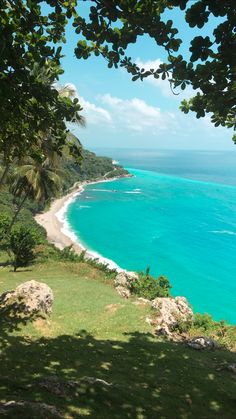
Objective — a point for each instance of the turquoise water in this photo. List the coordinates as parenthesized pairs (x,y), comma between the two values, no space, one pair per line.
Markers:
(182,228)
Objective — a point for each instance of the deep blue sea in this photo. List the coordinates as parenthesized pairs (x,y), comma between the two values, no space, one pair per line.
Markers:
(177,215)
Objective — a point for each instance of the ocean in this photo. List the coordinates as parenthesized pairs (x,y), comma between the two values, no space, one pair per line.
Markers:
(176,215)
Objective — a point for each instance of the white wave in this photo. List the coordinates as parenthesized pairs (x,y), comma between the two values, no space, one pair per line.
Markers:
(231,233)
(62,211)
(111,264)
(67,231)
(102,190)
(133,192)
(85,206)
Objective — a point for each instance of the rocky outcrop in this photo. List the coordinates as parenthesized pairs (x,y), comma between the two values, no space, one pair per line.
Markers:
(202,342)
(125,279)
(142,302)
(29,298)
(123,291)
(168,312)
(123,283)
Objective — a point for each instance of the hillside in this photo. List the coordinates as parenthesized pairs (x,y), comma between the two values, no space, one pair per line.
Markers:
(90,167)
(95,333)
(96,356)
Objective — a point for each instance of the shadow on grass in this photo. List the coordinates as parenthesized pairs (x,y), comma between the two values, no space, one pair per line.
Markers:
(7,263)
(143,378)
(19,270)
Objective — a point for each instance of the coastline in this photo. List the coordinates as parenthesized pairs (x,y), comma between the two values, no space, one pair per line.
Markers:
(58,230)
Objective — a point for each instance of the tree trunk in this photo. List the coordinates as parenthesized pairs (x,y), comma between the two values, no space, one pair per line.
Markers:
(18,210)
(3,177)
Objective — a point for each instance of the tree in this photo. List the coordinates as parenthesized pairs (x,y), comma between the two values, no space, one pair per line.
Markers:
(29,67)
(5,221)
(31,34)
(113,25)
(22,243)
(147,286)
(36,180)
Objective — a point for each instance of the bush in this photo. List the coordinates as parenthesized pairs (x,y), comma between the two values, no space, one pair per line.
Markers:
(147,286)
(68,254)
(22,243)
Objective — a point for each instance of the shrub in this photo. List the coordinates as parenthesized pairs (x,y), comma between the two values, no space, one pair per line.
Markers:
(103,267)
(22,243)
(68,254)
(147,286)
(46,252)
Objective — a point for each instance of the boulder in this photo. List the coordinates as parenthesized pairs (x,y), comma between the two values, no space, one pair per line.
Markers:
(202,342)
(38,409)
(169,311)
(61,388)
(31,297)
(125,279)
(123,292)
(142,302)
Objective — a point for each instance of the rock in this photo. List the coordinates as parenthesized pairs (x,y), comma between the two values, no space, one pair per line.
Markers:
(232,368)
(47,410)
(163,330)
(125,279)
(228,367)
(123,292)
(61,388)
(54,385)
(149,320)
(95,380)
(142,302)
(202,342)
(169,312)
(31,297)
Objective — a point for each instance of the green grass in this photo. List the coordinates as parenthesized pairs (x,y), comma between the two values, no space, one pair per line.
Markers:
(94,332)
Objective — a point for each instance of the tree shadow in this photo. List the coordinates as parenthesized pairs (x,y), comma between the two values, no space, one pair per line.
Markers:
(4,264)
(19,270)
(13,317)
(138,377)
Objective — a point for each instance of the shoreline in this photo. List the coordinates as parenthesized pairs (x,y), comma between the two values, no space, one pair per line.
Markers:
(58,230)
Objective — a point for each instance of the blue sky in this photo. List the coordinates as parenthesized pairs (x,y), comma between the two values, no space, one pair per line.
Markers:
(122,113)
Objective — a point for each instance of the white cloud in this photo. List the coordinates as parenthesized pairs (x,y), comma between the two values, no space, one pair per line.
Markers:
(129,115)
(163,85)
(137,116)
(92,113)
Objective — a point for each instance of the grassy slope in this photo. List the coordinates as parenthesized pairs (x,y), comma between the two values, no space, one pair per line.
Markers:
(93,332)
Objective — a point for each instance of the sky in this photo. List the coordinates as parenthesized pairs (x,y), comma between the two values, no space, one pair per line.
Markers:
(121,113)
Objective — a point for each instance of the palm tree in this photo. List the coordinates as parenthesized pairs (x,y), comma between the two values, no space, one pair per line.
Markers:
(66,92)
(36,180)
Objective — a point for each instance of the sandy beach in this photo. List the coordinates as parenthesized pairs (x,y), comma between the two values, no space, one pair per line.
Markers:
(58,230)
(52,221)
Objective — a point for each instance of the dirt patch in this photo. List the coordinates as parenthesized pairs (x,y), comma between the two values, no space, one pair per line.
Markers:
(43,326)
(112,308)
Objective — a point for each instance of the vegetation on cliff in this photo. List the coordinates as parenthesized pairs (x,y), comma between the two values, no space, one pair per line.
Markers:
(22,197)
